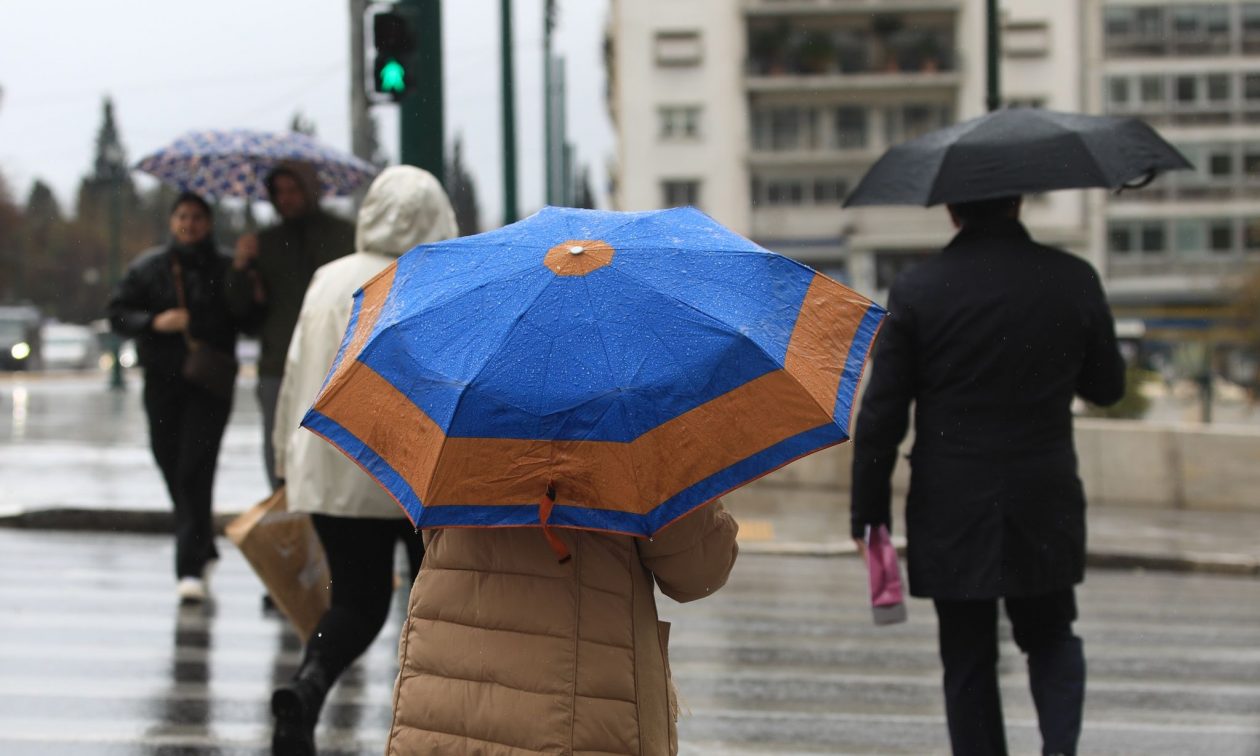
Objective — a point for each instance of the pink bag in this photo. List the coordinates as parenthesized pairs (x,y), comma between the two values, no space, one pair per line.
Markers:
(887,604)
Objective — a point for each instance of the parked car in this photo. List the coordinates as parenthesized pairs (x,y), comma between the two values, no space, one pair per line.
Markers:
(19,338)
(67,346)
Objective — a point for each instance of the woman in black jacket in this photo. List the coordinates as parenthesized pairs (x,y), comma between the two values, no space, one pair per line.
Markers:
(186,421)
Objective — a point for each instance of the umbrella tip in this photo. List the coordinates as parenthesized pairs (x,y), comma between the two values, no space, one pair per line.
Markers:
(576,249)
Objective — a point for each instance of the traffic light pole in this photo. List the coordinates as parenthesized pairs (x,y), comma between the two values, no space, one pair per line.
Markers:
(510,214)
(993,98)
(422,136)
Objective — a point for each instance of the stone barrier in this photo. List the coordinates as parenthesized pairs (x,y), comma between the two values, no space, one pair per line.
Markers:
(1131,463)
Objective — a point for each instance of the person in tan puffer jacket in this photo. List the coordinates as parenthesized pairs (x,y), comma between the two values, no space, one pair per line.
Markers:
(507,652)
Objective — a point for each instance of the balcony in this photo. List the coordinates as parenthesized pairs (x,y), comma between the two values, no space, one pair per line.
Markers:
(801,7)
(862,51)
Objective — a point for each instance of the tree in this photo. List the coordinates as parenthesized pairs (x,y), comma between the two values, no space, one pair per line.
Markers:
(12,254)
(462,191)
(302,125)
(583,196)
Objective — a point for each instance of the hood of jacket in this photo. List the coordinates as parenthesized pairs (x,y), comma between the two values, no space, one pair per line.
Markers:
(405,207)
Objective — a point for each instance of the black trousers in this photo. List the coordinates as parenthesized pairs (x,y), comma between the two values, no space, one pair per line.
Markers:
(361,564)
(186,427)
(1042,626)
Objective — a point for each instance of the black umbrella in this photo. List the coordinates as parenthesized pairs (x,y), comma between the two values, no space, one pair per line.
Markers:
(1017,151)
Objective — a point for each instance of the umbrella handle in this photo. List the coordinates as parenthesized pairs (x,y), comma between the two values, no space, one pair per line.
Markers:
(1147,178)
(545,504)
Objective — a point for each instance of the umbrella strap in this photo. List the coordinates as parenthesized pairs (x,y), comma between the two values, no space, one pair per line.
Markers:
(545,504)
(177,274)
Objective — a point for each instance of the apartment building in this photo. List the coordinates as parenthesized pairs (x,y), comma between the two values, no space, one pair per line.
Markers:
(765,113)
(1172,251)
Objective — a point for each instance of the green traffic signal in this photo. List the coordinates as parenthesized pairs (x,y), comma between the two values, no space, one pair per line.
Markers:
(393,77)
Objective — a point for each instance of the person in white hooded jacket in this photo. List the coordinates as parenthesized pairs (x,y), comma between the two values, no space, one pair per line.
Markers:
(357,521)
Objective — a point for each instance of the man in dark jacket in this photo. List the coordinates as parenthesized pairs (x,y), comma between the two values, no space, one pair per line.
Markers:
(271,272)
(990,340)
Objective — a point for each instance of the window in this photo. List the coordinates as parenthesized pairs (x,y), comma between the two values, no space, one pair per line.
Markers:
(1251,162)
(1118,90)
(678,48)
(1189,237)
(680,122)
(1251,27)
(1151,89)
(830,191)
(1152,236)
(1219,87)
(850,127)
(1120,239)
(1251,235)
(1251,87)
(1221,164)
(1187,88)
(677,193)
(1119,22)
(1221,236)
(909,121)
(785,192)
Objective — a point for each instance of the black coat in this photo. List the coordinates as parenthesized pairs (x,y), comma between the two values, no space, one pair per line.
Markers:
(990,340)
(148,288)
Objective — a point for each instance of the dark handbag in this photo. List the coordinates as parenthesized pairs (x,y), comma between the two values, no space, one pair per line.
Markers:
(204,366)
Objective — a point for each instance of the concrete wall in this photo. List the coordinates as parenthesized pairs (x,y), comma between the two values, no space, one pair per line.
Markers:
(1161,466)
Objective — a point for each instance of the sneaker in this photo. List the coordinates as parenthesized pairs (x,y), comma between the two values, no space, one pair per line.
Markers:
(191,590)
(207,571)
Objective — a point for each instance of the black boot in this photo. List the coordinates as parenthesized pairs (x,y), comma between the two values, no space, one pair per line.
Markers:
(296,706)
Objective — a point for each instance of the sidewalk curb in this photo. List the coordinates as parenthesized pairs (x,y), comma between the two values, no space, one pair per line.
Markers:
(109,520)
(155,521)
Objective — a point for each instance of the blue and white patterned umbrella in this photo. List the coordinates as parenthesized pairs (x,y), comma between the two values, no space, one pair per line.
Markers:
(234,163)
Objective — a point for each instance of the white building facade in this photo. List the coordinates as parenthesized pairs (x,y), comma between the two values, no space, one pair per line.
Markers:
(1173,251)
(765,113)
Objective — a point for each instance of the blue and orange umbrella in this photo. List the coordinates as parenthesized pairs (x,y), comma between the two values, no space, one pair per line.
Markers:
(596,370)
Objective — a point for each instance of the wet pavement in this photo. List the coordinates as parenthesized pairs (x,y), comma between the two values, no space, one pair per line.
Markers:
(98,658)
(75,454)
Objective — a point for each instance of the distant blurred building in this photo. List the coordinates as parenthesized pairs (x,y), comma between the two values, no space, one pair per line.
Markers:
(765,113)
(1173,251)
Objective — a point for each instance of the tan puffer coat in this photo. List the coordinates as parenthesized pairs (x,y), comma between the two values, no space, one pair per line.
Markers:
(507,652)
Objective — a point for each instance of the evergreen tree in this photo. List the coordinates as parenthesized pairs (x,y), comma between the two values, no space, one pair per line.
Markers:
(462,191)
(12,254)
(302,125)
(584,197)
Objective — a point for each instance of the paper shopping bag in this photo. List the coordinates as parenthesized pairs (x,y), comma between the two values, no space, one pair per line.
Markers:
(285,551)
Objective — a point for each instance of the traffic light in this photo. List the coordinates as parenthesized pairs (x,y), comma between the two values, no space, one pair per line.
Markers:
(392,73)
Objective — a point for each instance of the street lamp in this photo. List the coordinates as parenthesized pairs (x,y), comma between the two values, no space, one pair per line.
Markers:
(114,177)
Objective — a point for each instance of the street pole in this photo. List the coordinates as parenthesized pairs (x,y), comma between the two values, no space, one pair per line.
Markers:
(360,144)
(422,139)
(993,100)
(549,170)
(115,263)
(510,214)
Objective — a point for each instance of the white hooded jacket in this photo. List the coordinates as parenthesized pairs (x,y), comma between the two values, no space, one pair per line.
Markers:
(404,207)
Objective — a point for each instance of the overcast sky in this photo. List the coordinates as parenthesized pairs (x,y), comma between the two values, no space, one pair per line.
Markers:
(173,65)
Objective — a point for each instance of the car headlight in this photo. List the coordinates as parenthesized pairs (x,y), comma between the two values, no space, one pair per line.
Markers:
(20,350)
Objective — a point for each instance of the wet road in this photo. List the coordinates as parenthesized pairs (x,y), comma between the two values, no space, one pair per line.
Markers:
(97,658)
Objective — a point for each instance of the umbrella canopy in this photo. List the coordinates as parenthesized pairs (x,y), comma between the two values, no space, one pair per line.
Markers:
(586,369)
(1016,151)
(235,163)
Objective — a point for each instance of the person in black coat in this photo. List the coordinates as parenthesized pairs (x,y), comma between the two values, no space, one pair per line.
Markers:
(989,341)
(186,422)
